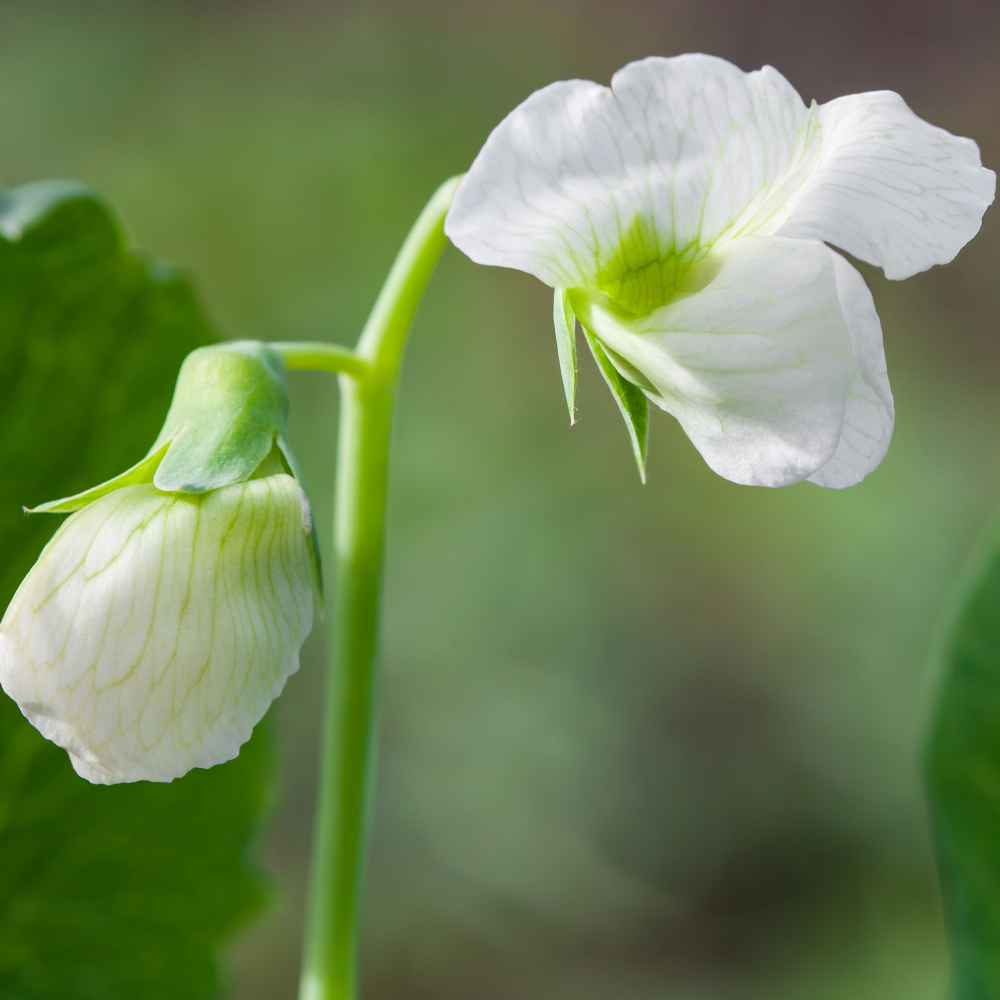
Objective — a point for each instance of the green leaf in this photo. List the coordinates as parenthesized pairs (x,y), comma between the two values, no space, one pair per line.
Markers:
(962,771)
(564,321)
(126,891)
(632,404)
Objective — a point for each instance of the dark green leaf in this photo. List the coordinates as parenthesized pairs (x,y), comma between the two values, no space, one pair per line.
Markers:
(127,891)
(632,404)
(962,769)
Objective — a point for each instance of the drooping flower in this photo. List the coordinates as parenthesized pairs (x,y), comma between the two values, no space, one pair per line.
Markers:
(168,610)
(682,217)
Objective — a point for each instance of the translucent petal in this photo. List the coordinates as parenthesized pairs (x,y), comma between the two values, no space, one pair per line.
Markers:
(890,188)
(756,366)
(623,188)
(155,629)
(869,414)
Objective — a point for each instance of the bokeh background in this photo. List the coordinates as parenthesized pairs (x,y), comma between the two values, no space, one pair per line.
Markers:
(635,742)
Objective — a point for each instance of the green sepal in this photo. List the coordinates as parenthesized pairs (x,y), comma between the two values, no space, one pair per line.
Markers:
(229,412)
(632,403)
(230,407)
(564,321)
(142,472)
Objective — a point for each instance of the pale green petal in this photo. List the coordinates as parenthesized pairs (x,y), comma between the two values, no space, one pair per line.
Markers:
(756,366)
(155,629)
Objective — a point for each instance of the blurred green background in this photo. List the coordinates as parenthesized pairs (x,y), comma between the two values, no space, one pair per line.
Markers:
(635,742)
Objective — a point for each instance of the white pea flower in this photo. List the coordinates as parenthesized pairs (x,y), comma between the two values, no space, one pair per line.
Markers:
(168,610)
(682,216)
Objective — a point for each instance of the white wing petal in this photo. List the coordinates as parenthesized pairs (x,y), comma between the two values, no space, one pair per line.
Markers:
(756,366)
(623,187)
(869,414)
(155,630)
(890,188)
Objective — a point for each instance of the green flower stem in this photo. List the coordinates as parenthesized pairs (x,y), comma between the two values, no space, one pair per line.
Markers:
(367,402)
(315,356)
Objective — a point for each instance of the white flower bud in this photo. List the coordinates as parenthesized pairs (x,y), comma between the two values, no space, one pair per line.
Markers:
(156,628)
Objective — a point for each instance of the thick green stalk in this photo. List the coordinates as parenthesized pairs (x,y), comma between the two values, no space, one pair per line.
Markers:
(367,402)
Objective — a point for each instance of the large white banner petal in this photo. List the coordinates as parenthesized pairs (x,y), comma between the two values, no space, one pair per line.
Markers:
(623,187)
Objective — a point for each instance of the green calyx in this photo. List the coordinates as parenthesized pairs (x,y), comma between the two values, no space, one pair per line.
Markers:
(230,409)
(625,385)
(229,413)
(226,424)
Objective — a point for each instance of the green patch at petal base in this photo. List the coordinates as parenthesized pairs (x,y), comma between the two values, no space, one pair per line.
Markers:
(641,275)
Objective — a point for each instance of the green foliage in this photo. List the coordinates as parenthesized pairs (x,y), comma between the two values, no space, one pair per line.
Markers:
(124,891)
(963,778)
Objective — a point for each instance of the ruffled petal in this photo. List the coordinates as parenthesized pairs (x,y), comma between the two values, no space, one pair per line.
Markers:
(869,414)
(155,629)
(756,366)
(890,188)
(622,189)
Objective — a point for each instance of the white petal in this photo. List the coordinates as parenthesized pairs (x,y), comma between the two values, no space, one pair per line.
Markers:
(890,188)
(869,414)
(155,629)
(755,366)
(622,187)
